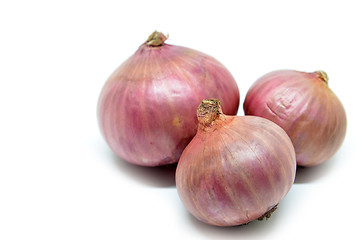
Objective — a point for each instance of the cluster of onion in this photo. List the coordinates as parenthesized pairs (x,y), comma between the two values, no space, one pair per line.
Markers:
(231,169)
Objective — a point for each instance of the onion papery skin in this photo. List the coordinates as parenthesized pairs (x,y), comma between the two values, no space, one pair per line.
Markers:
(235,170)
(146,110)
(305,107)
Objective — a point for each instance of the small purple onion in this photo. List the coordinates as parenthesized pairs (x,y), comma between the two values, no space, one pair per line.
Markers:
(236,169)
(305,107)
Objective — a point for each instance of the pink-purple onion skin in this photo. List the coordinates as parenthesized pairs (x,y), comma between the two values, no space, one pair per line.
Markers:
(305,107)
(236,169)
(146,110)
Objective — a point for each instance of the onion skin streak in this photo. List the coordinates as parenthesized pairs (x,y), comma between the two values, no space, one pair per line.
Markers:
(146,110)
(235,169)
(305,107)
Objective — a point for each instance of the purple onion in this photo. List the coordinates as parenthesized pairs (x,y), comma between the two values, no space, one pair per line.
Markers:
(236,169)
(146,110)
(305,107)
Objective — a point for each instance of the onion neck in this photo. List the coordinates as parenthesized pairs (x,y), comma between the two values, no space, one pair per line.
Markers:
(208,112)
(323,76)
(156,39)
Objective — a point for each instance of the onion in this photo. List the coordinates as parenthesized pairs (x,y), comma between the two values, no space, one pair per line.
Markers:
(305,107)
(236,169)
(146,108)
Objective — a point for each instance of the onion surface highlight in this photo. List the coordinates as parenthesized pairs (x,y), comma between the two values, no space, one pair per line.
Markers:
(305,107)
(236,169)
(146,108)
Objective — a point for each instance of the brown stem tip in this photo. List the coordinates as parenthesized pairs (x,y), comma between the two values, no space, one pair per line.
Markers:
(156,39)
(323,75)
(268,213)
(208,111)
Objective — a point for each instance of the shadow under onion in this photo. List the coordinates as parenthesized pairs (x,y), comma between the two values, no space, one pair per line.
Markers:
(161,177)
(312,174)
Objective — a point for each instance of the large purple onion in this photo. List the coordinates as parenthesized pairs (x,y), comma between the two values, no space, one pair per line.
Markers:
(305,107)
(146,110)
(236,169)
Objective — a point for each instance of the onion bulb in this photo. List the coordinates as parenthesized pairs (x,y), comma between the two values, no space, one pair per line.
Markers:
(146,108)
(236,169)
(305,107)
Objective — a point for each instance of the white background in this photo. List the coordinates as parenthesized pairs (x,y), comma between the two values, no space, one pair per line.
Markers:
(59,179)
